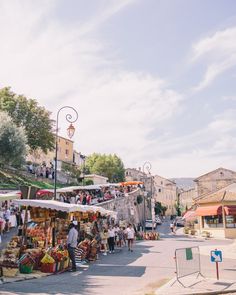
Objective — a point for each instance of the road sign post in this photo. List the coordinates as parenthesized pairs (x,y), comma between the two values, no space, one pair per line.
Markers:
(216,256)
(217,271)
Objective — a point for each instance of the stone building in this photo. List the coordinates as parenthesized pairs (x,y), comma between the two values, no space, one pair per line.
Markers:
(165,192)
(133,174)
(214,181)
(186,198)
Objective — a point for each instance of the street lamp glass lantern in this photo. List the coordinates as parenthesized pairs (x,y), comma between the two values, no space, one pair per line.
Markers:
(71,131)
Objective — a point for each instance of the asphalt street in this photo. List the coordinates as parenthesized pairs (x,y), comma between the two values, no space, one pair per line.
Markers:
(126,273)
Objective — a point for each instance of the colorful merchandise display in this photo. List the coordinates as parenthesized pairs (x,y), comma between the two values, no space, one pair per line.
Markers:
(42,246)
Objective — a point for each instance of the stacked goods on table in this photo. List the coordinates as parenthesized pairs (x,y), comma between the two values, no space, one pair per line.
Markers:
(36,254)
(39,214)
(61,257)
(26,263)
(9,258)
(147,236)
(37,234)
(92,255)
(48,264)
(56,259)
(62,231)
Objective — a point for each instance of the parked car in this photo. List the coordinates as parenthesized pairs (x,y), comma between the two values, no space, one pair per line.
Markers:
(180,222)
(148,224)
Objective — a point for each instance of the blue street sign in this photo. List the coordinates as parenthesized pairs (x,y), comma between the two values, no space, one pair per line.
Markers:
(216,256)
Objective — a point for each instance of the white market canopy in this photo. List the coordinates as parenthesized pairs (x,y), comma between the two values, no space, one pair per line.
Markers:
(71,189)
(10,196)
(60,206)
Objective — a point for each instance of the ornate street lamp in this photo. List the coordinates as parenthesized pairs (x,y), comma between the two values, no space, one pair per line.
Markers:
(147,166)
(70,131)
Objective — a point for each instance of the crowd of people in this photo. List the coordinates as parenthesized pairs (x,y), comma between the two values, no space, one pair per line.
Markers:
(91,197)
(10,216)
(42,170)
(109,239)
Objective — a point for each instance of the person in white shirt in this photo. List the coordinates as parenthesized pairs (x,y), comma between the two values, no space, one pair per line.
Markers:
(7,216)
(130,237)
(111,239)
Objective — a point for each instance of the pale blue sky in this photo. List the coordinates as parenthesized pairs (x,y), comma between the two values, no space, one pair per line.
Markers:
(153,80)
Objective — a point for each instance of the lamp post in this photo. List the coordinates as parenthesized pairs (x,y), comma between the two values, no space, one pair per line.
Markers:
(147,166)
(70,131)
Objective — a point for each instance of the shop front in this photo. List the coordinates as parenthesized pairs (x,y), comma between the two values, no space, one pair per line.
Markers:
(218,219)
(41,246)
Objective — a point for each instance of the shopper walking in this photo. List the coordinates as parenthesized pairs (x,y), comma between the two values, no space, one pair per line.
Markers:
(130,236)
(104,236)
(72,244)
(172,227)
(111,239)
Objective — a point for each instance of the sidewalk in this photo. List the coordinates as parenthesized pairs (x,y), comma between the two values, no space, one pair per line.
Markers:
(191,285)
(228,251)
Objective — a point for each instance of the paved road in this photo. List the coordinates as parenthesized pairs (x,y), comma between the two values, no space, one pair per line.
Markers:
(124,273)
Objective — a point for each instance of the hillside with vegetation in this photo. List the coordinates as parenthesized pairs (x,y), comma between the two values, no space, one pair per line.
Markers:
(13,179)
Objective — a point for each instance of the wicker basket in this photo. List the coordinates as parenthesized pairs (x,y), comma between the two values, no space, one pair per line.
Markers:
(9,272)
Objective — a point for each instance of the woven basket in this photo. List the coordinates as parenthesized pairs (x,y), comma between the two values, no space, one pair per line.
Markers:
(9,272)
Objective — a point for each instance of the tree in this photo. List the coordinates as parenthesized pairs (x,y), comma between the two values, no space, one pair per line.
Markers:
(110,166)
(28,114)
(71,171)
(12,142)
(160,209)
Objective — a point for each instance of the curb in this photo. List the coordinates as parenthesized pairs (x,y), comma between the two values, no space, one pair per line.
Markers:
(214,292)
(162,290)
(9,280)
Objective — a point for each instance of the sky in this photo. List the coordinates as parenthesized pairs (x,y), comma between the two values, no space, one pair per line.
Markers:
(152,80)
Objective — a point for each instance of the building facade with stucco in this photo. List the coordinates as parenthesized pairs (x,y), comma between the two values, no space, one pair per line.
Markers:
(186,198)
(165,192)
(214,180)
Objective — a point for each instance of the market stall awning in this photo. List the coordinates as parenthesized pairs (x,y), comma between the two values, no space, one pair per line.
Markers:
(209,210)
(190,215)
(130,183)
(65,207)
(48,204)
(230,210)
(10,196)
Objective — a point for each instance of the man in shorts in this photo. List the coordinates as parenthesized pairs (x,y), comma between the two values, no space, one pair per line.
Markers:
(130,237)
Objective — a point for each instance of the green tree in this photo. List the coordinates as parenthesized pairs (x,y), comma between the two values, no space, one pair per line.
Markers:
(28,114)
(110,166)
(159,208)
(71,171)
(12,142)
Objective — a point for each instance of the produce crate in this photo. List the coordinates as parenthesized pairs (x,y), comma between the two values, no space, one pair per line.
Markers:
(26,268)
(9,271)
(48,267)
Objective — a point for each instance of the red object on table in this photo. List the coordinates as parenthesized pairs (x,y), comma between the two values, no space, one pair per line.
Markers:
(48,267)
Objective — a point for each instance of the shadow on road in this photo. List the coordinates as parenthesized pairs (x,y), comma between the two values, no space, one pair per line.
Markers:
(84,281)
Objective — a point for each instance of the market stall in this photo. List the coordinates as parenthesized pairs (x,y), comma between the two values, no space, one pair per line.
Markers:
(42,245)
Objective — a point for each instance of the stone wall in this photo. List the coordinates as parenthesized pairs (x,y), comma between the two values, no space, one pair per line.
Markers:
(127,207)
